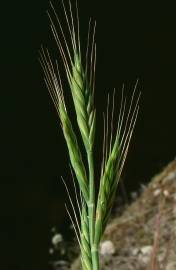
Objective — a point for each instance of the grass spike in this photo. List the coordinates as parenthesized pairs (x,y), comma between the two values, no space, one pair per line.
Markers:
(55,90)
(112,172)
(93,211)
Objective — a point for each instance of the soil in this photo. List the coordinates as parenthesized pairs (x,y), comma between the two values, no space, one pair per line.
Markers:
(143,237)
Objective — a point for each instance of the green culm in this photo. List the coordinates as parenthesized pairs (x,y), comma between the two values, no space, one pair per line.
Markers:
(80,73)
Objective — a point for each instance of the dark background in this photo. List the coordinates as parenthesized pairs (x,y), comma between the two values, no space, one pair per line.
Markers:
(133,41)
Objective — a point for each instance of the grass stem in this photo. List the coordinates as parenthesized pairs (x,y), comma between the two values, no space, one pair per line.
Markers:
(91,206)
(95,258)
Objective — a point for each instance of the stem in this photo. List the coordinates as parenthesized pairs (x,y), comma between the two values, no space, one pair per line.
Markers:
(91,206)
(95,258)
(91,212)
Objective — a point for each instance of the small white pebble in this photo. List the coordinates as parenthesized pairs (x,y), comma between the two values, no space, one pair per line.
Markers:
(51,251)
(157,192)
(166,193)
(57,238)
(146,250)
(135,251)
(107,248)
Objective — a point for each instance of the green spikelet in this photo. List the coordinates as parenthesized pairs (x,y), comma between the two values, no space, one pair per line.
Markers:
(74,152)
(108,186)
(83,102)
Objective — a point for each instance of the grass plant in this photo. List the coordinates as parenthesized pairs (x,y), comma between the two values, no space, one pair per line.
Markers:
(79,66)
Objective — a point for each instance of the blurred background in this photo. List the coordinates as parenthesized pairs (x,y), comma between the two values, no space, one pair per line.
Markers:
(133,41)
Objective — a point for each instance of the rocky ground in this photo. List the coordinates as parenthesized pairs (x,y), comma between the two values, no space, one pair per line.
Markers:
(144,236)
